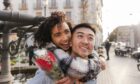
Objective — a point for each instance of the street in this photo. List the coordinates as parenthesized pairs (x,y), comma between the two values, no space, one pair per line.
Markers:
(120,70)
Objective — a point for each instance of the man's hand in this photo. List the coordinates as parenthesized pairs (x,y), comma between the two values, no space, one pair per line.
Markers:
(65,80)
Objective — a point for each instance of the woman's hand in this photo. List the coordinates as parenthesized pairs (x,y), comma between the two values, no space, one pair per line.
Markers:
(102,63)
(65,80)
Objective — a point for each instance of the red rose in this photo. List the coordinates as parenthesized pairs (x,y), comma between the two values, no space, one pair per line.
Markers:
(47,63)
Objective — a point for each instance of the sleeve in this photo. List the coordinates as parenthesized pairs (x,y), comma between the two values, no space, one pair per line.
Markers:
(40,78)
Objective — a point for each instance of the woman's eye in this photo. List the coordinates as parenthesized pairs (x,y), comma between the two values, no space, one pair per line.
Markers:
(67,31)
(57,34)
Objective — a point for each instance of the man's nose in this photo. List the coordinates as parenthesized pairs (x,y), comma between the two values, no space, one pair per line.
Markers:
(85,41)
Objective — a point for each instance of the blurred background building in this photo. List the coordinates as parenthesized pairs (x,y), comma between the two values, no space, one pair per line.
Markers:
(77,11)
(128,34)
(125,34)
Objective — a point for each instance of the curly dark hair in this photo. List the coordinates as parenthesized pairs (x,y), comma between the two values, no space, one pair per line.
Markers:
(43,34)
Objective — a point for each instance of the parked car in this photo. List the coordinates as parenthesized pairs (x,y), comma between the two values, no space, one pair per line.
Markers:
(121,49)
(136,54)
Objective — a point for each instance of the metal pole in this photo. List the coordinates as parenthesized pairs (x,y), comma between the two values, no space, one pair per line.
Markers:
(5,76)
(45,2)
(45,10)
(6,4)
(20,18)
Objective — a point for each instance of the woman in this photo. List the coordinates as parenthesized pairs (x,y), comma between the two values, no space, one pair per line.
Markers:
(54,30)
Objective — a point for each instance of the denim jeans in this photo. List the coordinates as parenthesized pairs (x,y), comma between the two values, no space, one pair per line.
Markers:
(91,82)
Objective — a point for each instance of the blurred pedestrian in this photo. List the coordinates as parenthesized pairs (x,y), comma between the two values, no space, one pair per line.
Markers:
(107,47)
(31,53)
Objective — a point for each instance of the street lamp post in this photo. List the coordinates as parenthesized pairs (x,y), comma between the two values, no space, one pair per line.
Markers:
(45,4)
(6,4)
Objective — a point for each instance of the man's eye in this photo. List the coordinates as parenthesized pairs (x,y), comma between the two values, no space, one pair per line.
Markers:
(80,36)
(91,38)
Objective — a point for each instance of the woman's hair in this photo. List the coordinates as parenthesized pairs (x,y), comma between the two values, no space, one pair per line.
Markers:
(43,34)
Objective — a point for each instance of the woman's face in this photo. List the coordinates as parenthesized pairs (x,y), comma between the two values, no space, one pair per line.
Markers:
(61,36)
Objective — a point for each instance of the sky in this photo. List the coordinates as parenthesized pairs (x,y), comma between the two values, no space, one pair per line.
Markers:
(118,13)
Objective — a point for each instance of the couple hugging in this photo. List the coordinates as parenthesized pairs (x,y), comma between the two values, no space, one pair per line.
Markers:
(72,54)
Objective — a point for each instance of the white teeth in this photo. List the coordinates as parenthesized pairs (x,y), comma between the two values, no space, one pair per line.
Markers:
(65,45)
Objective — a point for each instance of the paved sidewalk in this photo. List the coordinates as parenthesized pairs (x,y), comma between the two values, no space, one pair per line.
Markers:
(120,70)
(105,77)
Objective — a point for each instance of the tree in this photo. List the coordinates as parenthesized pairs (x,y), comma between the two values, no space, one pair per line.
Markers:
(113,35)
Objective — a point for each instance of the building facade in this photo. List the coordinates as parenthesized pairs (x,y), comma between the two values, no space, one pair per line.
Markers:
(126,34)
(137,35)
(77,11)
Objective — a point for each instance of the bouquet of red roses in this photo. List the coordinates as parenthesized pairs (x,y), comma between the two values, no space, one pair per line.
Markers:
(48,62)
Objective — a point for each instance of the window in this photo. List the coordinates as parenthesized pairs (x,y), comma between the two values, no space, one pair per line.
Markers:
(68,4)
(23,5)
(38,5)
(24,1)
(68,14)
(53,4)
(84,4)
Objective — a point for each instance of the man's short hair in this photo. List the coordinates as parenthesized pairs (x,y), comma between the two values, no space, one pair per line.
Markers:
(82,25)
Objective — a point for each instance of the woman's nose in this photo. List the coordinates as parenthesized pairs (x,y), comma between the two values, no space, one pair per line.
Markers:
(65,37)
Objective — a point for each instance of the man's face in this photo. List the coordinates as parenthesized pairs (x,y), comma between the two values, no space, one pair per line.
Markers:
(82,42)
(61,36)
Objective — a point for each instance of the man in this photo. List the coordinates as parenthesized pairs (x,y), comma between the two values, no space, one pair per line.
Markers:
(83,39)
(31,54)
(107,47)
